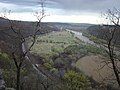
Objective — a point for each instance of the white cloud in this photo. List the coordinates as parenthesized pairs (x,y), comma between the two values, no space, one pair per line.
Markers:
(7,5)
(24,12)
(28,16)
(75,19)
(94,18)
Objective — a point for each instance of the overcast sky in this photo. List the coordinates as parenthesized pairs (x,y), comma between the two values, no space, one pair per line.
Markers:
(79,11)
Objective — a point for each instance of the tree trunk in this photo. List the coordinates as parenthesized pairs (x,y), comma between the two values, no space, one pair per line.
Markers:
(115,71)
(18,79)
(111,55)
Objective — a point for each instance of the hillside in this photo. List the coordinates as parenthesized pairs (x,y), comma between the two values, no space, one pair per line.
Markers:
(73,26)
(101,31)
(96,70)
(8,36)
(57,54)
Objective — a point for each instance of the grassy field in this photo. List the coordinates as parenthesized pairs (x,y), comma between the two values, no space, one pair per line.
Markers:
(57,42)
(53,43)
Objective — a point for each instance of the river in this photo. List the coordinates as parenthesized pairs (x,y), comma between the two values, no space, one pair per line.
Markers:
(80,36)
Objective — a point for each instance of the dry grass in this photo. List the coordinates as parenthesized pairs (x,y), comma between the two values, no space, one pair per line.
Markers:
(93,67)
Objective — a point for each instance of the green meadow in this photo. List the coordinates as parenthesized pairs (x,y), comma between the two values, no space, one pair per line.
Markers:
(53,43)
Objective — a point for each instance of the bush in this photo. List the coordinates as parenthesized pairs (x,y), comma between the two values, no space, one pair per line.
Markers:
(76,49)
(9,77)
(8,69)
(93,49)
(54,70)
(75,81)
(5,62)
(48,66)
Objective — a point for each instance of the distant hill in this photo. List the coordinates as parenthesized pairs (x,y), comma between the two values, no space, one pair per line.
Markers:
(25,27)
(8,37)
(101,31)
(73,26)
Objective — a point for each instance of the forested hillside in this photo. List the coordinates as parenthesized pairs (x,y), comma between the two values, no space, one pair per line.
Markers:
(102,31)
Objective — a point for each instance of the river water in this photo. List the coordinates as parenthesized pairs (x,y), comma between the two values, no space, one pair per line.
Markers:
(80,36)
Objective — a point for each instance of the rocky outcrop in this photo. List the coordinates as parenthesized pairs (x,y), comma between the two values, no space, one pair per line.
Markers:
(2,82)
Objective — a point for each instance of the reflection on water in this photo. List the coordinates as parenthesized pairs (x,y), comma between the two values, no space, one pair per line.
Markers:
(81,37)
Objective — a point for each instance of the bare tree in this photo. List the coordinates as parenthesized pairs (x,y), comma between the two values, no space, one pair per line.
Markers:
(112,32)
(17,52)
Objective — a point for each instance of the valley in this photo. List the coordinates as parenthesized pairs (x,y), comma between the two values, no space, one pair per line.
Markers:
(60,45)
(57,52)
(89,58)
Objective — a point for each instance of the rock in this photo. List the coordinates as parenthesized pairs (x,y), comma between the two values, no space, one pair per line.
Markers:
(2,82)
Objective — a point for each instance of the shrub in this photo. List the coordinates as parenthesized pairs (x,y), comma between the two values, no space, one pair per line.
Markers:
(4,61)
(95,50)
(48,66)
(75,81)
(74,49)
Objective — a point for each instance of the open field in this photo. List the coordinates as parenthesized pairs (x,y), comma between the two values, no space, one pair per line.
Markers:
(53,43)
(93,66)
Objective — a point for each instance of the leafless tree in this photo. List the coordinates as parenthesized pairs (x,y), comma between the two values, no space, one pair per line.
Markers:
(112,33)
(17,52)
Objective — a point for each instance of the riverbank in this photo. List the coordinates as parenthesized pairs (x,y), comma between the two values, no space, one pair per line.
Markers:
(95,66)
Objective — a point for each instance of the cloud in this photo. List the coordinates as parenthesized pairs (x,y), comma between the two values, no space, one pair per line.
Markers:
(73,19)
(57,18)
(71,5)
(19,5)
(86,5)
(15,8)
(21,2)
(61,10)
